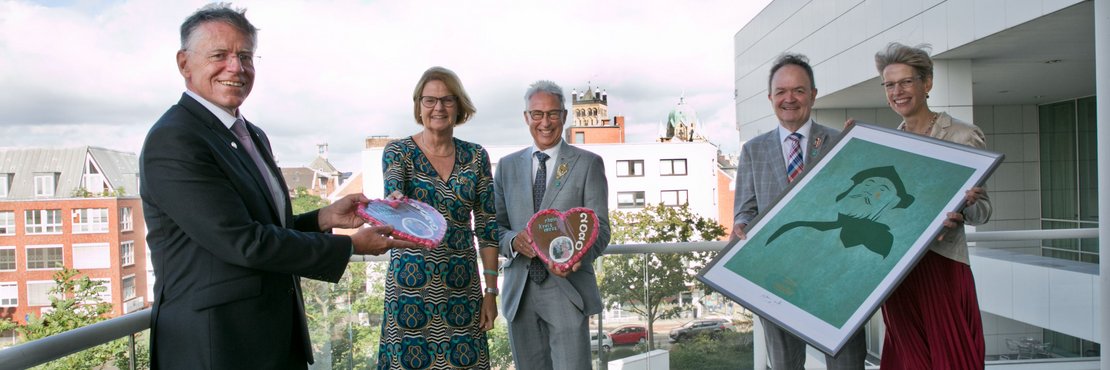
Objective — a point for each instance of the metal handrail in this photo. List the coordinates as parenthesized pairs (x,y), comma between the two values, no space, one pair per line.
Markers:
(47,349)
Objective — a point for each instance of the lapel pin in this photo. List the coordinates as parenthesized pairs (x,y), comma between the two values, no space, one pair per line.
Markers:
(562,171)
(233,146)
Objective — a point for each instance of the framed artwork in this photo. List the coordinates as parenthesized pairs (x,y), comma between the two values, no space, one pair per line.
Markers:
(838,241)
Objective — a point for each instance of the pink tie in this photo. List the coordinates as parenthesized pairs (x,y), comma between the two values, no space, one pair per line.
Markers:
(240,130)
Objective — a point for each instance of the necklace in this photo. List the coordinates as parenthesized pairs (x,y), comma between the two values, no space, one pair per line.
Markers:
(928,130)
(424,140)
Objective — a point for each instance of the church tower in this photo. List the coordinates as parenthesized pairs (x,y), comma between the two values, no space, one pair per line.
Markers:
(591,123)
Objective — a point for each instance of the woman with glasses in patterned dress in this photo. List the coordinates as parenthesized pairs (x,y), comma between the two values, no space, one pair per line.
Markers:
(932,319)
(436,313)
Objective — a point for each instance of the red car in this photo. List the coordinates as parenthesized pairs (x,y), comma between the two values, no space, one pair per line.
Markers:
(629,334)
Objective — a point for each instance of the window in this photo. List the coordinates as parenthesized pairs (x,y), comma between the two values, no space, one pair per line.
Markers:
(91,256)
(579,137)
(38,292)
(43,221)
(44,184)
(1069,176)
(7,258)
(90,220)
(9,294)
(92,180)
(672,167)
(5,184)
(126,220)
(128,287)
(630,199)
(43,257)
(127,253)
(630,168)
(7,222)
(673,198)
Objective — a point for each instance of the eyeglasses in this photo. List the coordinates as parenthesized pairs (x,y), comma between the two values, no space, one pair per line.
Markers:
(902,84)
(223,56)
(539,115)
(430,101)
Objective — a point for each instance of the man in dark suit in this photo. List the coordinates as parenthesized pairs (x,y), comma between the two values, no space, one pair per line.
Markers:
(548,309)
(227,250)
(768,163)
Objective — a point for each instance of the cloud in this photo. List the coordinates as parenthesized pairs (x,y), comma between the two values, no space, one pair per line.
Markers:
(100,73)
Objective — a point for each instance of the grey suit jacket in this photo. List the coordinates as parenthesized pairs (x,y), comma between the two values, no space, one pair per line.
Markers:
(761,172)
(584,185)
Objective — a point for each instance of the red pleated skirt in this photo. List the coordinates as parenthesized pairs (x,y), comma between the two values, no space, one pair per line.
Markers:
(932,319)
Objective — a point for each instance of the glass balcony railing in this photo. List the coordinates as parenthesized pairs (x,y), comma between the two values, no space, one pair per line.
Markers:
(680,326)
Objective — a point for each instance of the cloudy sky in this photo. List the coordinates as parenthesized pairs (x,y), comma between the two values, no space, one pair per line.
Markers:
(101,72)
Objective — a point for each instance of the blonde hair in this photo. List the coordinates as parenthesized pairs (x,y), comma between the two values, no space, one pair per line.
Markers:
(915,57)
(454,85)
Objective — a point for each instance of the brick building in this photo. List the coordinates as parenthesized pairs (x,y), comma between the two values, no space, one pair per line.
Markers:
(72,207)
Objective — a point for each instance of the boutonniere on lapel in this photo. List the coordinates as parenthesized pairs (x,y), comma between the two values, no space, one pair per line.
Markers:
(560,172)
(816,148)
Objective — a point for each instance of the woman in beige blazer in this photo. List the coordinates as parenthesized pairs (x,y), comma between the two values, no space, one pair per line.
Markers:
(932,318)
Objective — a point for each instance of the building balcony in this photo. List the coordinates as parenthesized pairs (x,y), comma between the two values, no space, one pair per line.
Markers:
(1023,298)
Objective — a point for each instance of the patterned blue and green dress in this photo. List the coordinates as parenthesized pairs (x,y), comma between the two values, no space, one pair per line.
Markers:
(433,297)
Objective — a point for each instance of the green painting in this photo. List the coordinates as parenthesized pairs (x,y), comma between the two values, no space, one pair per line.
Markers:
(845,230)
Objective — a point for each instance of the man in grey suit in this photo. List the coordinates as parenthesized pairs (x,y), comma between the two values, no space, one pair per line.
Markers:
(548,309)
(768,163)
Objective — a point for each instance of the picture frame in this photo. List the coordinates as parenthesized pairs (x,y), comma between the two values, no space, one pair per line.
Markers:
(844,234)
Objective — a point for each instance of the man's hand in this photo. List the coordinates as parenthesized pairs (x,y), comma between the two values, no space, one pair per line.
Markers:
(342,213)
(563,274)
(373,241)
(738,232)
(522,244)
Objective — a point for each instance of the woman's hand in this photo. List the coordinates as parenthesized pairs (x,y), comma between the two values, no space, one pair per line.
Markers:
(488,312)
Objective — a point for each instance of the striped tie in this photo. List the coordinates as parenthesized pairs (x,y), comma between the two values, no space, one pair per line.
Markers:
(795,165)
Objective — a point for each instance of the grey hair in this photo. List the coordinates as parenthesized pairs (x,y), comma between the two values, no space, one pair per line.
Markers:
(217,12)
(547,87)
(795,59)
(916,57)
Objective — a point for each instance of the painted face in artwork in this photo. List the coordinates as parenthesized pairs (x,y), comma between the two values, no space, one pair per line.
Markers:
(869,198)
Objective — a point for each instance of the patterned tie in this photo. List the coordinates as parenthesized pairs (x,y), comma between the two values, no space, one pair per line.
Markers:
(795,165)
(240,130)
(536,270)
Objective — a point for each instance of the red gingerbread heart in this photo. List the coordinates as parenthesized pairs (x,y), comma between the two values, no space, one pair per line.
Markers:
(411,219)
(563,238)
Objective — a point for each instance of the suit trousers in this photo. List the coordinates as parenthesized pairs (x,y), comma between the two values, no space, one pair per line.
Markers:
(549,332)
(788,352)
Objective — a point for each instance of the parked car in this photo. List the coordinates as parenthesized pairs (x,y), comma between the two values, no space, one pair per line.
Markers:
(699,327)
(606,341)
(629,334)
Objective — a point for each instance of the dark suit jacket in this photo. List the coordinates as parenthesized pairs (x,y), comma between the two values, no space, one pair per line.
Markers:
(227,294)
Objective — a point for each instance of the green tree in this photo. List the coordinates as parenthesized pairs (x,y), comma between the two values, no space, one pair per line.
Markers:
(303,202)
(75,302)
(668,274)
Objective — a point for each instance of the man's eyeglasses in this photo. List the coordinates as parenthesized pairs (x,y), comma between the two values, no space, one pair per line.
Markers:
(539,115)
(221,56)
(430,101)
(902,84)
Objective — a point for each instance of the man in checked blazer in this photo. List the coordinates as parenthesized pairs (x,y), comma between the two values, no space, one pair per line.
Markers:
(764,172)
(226,248)
(548,310)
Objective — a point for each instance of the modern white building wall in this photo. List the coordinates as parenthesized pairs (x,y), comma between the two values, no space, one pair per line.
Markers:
(997,64)
(675,171)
